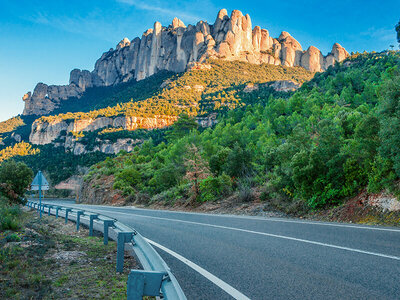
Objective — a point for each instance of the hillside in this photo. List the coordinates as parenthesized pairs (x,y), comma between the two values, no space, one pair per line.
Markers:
(334,137)
(106,120)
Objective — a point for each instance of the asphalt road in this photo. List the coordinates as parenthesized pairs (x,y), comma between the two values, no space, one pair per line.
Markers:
(270,258)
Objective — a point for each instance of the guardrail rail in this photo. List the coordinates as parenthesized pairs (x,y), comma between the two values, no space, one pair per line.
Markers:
(156,278)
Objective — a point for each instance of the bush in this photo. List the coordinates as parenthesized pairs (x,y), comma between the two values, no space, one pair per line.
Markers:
(213,188)
(382,175)
(14,179)
(10,217)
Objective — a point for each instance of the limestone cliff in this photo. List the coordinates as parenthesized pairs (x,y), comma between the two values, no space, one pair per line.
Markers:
(46,132)
(177,47)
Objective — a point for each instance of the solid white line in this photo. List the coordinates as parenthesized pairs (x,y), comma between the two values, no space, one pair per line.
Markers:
(272,235)
(267,219)
(220,283)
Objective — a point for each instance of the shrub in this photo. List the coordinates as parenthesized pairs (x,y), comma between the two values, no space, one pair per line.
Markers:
(14,179)
(213,188)
(10,217)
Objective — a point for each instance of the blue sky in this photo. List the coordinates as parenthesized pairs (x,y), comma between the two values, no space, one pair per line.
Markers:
(42,41)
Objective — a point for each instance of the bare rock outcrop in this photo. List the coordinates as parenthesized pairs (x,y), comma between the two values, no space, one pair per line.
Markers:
(284,85)
(178,47)
(46,132)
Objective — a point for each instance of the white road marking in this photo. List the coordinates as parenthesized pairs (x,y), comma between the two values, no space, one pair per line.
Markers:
(220,283)
(267,219)
(270,235)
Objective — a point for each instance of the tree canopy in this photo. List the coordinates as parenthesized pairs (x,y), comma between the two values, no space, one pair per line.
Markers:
(14,180)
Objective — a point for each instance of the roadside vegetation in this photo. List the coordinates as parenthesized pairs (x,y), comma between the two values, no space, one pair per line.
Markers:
(46,259)
(331,139)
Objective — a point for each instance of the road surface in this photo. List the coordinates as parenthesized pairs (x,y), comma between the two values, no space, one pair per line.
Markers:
(228,257)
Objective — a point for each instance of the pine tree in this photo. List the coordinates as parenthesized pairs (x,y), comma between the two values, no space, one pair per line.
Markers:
(197,169)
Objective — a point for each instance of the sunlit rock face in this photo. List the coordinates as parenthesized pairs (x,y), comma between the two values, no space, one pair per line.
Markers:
(46,132)
(177,47)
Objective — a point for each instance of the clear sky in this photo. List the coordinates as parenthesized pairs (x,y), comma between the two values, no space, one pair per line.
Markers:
(42,41)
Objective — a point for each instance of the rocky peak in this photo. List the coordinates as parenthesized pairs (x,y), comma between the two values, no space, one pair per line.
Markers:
(339,52)
(177,23)
(176,47)
(123,43)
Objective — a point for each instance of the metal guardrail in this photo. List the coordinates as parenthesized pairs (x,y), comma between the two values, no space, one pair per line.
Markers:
(156,278)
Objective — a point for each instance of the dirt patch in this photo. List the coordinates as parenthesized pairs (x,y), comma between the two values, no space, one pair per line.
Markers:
(358,210)
(371,209)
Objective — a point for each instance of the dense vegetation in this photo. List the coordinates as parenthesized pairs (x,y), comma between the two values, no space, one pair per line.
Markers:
(18,149)
(102,97)
(335,136)
(58,164)
(14,180)
(196,92)
(11,124)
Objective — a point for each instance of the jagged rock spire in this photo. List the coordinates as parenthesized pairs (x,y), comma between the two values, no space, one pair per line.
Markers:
(174,47)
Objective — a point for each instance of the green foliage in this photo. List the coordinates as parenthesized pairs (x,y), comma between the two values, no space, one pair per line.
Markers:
(212,188)
(390,120)
(397,27)
(19,149)
(181,127)
(9,217)
(333,137)
(127,180)
(58,164)
(382,175)
(197,92)
(14,180)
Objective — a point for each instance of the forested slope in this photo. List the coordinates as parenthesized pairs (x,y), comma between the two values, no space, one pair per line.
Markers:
(212,88)
(335,136)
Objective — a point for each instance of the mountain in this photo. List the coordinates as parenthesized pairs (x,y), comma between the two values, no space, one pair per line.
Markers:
(137,91)
(178,47)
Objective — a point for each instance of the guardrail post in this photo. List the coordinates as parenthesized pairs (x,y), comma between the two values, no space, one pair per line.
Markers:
(78,218)
(42,209)
(107,223)
(50,207)
(144,283)
(123,237)
(66,214)
(57,209)
(91,218)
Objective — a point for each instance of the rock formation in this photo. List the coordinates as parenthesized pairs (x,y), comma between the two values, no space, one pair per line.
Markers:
(177,47)
(46,132)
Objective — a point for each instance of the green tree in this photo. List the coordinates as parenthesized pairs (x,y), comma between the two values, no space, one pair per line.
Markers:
(14,180)
(181,127)
(398,31)
(390,122)
(197,169)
